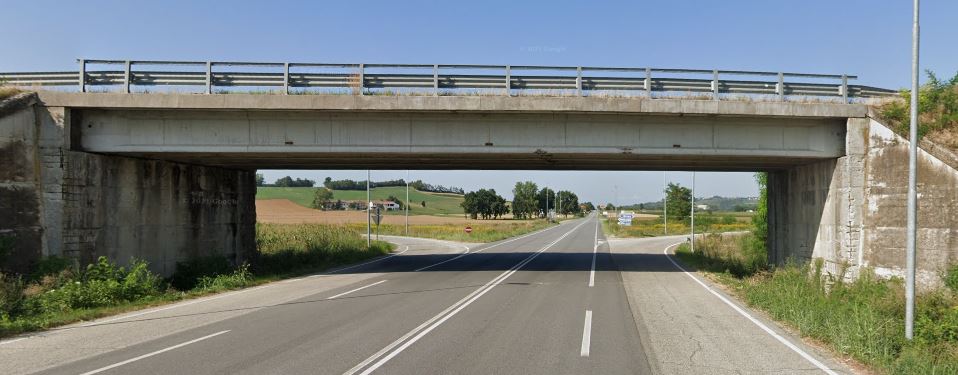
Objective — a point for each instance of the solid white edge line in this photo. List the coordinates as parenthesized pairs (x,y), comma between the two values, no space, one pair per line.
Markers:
(758,323)
(134,359)
(437,320)
(586,334)
(357,289)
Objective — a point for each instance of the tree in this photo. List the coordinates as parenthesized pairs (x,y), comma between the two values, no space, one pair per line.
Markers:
(524,205)
(424,203)
(541,199)
(568,203)
(260,181)
(321,198)
(609,207)
(588,206)
(485,204)
(679,201)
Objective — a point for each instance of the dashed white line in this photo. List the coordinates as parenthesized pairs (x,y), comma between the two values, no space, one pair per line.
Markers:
(357,289)
(396,347)
(595,249)
(118,364)
(761,325)
(586,334)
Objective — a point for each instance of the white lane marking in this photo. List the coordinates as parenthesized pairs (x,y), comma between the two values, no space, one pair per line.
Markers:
(437,320)
(118,364)
(761,325)
(595,248)
(586,334)
(483,249)
(357,289)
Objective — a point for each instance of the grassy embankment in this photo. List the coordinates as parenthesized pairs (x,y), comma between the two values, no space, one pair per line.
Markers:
(861,319)
(6,92)
(704,223)
(57,293)
(938,112)
(481,232)
(436,203)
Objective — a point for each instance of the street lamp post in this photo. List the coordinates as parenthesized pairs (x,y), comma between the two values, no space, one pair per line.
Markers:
(692,244)
(911,243)
(406,206)
(665,201)
(368,211)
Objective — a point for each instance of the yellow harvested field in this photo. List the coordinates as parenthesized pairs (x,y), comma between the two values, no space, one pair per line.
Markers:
(284,211)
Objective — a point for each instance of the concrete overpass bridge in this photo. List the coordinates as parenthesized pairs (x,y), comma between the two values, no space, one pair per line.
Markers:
(165,176)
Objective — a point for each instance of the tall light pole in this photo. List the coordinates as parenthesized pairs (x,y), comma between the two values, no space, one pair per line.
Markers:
(912,184)
(665,200)
(369,204)
(693,213)
(406,206)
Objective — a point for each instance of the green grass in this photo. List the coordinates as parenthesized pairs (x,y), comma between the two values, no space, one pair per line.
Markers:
(56,294)
(862,319)
(436,203)
(481,232)
(655,227)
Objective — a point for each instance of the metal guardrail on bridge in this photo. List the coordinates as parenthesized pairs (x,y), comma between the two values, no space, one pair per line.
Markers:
(363,79)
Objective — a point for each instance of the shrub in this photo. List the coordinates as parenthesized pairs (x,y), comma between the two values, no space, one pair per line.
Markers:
(188,273)
(239,278)
(50,266)
(11,295)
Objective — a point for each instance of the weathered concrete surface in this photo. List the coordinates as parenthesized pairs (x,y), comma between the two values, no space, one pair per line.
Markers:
(358,139)
(157,211)
(21,228)
(851,211)
(486,104)
(60,202)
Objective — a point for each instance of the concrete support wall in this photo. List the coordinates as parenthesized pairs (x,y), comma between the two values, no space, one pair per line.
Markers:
(850,211)
(158,211)
(82,205)
(21,216)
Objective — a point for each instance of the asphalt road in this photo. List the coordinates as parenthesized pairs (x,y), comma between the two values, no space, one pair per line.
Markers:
(557,301)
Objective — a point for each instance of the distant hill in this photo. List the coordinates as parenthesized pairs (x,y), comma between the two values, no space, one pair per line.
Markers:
(436,203)
(715,203)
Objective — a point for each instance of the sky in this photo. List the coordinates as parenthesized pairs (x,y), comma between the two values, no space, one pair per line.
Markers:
(868,38)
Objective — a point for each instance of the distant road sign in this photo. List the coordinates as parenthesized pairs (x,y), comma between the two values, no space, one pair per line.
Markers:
(378,216)
(468,229)
(625,218)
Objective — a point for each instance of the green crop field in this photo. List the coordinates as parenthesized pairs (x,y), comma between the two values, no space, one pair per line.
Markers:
(436,204)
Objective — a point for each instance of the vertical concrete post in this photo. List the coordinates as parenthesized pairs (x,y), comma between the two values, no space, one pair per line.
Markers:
(362,78)
(209,77)
(648,82)
(715,84)
(82,79)
(435,80)
(578,81)
(508,80)
(844,88)
(126,77)
(780,88)
(286,78)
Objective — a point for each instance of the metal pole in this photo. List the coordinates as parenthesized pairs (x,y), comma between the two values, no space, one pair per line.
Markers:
(82,80)
(286,78)
(665,200)
(693,213)
(126,77)
(368,212)
(209,77)
(912,185)
(407,202)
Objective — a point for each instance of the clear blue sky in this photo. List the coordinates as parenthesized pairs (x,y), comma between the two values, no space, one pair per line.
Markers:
(869,38)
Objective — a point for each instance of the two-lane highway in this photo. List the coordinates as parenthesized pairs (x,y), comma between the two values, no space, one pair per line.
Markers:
(550,302)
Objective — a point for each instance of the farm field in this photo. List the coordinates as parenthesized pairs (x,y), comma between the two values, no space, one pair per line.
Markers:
(436,203)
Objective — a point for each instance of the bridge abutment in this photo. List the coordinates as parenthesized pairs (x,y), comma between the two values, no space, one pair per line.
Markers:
(82,205)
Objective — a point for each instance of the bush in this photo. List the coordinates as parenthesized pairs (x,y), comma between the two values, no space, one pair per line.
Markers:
(49,266)
(11,295)
(239,278)
(188,273)
(102,284)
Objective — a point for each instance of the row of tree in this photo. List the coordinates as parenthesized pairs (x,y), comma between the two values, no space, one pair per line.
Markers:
(422,186)
(529,201)
(348,184)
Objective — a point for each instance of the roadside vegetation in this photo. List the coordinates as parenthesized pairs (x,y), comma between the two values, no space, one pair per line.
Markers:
(6,92)
(937,108)
(862,318)
(56,292)
(423,203)
(481,231)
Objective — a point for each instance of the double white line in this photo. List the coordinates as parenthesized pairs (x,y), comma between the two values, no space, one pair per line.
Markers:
(381,357)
